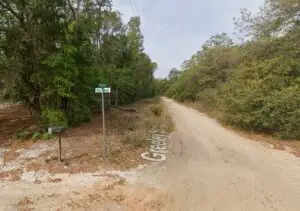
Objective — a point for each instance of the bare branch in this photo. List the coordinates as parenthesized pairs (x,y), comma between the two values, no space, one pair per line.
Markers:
(72,9)
(6,6)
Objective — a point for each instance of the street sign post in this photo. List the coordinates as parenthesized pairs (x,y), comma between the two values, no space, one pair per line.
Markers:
(103,124)
(103,89)
(102,85)
(58,130)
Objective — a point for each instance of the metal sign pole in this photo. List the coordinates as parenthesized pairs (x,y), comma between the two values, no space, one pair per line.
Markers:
(103,89)
(103,122)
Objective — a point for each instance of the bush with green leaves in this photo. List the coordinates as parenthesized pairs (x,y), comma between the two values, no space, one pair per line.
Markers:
(54,67)
(47,136)
(268,99)
(36,136)
(23,135)
(52,117)
(254,85)
(78,113)
(157,110)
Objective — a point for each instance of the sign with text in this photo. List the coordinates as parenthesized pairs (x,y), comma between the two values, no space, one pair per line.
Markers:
(102,90)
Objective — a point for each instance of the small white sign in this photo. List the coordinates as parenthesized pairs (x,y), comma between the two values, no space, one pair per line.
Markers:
(102,90)
(98,90)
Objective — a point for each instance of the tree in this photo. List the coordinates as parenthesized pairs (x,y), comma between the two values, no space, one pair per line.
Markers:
(253,85)
(174,74)
(218,41)
(54,53)
(275,18)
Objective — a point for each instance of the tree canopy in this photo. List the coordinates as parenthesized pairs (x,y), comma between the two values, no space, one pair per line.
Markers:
(54,53)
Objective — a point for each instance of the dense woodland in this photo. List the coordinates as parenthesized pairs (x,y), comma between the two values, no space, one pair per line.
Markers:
(54,53)
(253,82)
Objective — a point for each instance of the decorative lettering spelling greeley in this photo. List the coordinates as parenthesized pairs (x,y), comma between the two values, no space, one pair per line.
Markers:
(158,148)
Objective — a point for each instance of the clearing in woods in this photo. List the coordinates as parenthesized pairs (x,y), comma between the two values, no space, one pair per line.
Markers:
(208,168)
(33,178)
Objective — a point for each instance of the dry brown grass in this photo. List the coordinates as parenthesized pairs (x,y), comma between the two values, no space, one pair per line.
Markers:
(154,117)
(4,174)
(130,197)
(10,156)
(82,147)
(25,204)
(13,145)
(293,146)
(13,175)
(13,118)
(34,166)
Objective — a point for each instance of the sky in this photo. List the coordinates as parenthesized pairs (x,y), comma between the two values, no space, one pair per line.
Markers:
(174,30)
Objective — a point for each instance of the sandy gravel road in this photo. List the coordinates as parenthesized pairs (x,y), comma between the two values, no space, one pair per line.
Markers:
(210,168)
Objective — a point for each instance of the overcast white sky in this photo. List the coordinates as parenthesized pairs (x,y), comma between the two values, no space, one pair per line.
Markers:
(174,30)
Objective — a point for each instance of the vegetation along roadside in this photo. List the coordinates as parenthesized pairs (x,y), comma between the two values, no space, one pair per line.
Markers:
(250,83)
(82,146)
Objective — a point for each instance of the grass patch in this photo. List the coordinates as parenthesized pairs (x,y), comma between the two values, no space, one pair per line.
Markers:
(133,128)
(151,115)
(23,135)
(47,136)
(83,146)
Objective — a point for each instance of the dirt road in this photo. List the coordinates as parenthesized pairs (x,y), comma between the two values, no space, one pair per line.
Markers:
(210,168)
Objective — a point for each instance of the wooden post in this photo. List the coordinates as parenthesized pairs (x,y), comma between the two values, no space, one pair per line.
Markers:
(59,143)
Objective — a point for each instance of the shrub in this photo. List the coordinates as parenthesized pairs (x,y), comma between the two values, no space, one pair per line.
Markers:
(264,97)
(23,135)
(156,110)
(209,98)
(53,117)
(36,135)
(137,139)
(78,113)
(47,136)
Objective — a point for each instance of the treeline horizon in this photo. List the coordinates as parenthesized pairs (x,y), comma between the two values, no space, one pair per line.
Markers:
(253,85)
(53,55)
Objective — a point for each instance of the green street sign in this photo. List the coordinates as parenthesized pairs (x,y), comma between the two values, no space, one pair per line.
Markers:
(102,85)
(106,90)
(103,90)
(98,90)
